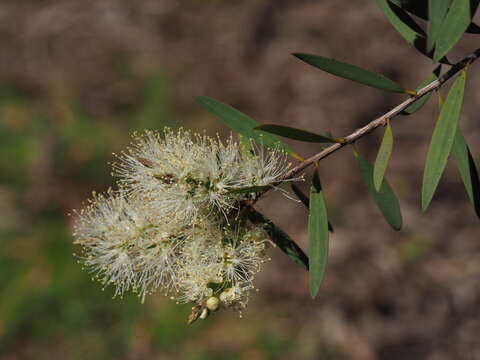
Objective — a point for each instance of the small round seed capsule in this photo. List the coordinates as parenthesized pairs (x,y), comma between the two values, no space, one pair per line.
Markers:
(212,303)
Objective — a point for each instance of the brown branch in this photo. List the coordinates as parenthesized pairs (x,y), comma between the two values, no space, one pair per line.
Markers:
(381,121)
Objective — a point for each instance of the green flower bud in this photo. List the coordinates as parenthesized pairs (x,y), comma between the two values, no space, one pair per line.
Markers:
(212,303)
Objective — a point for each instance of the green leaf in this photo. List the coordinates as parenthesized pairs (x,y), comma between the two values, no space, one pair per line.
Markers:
(280,238)
(420,8)
(351,72)
(317,236)
(468,169)
(442,140)
(385,199)
(306,201)
(246,146)
(418,104)
(242,124)
(295,134)
(405,25)
(250,189)
(437,9)
(401,21)
(456,22)
(383,157)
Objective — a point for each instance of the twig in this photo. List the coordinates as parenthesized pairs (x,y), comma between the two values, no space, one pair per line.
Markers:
(381,121)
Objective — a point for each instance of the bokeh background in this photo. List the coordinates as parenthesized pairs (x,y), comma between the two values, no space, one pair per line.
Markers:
(78,77)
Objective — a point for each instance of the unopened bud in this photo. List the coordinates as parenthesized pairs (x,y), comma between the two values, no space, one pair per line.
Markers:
(212,303)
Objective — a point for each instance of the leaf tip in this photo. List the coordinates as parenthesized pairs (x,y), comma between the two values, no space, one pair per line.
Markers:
(425,204)
(301,56)
(398,227)
(200,99)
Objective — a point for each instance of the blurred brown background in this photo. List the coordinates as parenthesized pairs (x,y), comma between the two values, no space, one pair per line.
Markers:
(77,77)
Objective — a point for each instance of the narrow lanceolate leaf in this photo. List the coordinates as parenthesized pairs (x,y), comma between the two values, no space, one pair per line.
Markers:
(437,9)
(453,26)
(250,189)
(442,140)
(468,169)
(295,134)
(306,201)
(242,124)
(383,157)
(420,9)
(417,104)
(407,27)
(351,72)
(317,236)
(401,21)
(280,238)
(385,198)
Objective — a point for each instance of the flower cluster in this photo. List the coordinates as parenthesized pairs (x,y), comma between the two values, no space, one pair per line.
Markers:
(173,224)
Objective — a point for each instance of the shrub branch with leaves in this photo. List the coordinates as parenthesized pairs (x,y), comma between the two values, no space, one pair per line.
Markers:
(183,218)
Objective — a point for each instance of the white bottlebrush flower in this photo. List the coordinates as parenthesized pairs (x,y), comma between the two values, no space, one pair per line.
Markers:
(182,174)
(167,227)
(106,229)
(263,167)
(127,248)
(122,246)
(157,257)
(220,259)
(200,266)
(243,256)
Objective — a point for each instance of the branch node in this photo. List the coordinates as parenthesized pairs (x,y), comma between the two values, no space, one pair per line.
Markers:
(340,140)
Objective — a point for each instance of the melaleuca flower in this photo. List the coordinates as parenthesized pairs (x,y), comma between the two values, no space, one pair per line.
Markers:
(263,167)
(200,265)
(124,246)
(127,248)
(181,174)
(170,226)
(106,230)
(243,256)
(228,260)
